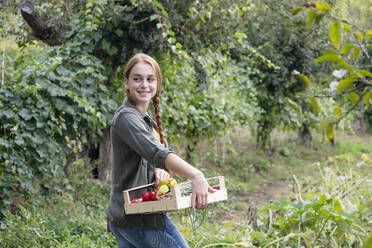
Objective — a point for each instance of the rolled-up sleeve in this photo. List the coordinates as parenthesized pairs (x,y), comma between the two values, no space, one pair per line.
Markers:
(132,130)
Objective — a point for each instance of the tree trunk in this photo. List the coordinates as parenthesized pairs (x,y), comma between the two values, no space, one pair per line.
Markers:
(304,135)
(362,126)
(105,158)
(43,28)
(263,140)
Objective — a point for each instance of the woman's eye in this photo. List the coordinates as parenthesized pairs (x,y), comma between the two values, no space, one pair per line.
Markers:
(136,79)
(151,79)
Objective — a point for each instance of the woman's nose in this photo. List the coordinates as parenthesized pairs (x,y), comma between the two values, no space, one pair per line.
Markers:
(144,82)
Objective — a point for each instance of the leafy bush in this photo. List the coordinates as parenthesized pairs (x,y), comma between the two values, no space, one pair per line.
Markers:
(334,211)
(75,218)
(52,107)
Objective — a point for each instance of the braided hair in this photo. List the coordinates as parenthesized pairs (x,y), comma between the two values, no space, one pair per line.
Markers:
(144,58)
(155,103)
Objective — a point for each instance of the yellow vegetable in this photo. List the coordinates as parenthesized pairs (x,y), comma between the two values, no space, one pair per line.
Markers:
(163,189)
(171,182)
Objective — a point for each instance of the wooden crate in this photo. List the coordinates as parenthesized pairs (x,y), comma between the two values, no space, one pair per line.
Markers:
(177,201)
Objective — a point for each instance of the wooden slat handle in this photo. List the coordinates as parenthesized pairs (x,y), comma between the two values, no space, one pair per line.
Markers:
(126,197)
(222,182)
(140,187)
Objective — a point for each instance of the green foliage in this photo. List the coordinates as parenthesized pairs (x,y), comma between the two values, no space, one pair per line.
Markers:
(52,107)
(74,218)
(342,190)
(204,108)
(351,56)
(335,212)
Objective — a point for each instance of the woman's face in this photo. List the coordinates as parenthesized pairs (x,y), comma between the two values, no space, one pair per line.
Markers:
(141,84)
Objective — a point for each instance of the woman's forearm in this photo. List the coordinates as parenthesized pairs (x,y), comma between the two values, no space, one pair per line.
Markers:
(179,166)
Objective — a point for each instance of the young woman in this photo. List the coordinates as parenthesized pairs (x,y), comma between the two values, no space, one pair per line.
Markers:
(141,156)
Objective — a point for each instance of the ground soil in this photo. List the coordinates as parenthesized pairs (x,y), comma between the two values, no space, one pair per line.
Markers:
(262,196)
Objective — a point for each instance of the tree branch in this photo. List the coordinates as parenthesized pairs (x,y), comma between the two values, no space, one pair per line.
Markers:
(42,28)
(3,68)
(311,5)
(339,94)
(350,110)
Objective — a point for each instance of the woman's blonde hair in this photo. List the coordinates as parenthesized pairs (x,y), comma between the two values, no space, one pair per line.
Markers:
(144,58)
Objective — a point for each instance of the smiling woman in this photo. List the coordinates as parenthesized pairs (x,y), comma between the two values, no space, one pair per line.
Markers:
(141,156)
(141,85)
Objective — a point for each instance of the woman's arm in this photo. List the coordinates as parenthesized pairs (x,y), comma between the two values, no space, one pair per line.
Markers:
(200,186)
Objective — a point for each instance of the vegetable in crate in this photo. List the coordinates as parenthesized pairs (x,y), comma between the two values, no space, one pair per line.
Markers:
(216,187)
(163,189)
(164,186)
(149,196)
(136,200)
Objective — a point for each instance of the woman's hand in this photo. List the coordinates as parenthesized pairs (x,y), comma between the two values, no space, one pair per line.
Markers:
(160,175)
(200,189)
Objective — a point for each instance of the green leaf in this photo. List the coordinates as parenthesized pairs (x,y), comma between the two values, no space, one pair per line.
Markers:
(369,34)
(323,7)
(304,78)
(329,132)
(338,112)
(119,32)
(318,18)
(113,50)
(160,6)
(296,10)
(322,199)
(179,46)
(344,65)
(364,73)
(316,106)
(354,97)
(240,35)
(346,49)
(367,98)
(311,16)
(330,57)
(335,34)
(154,16)
(293,105)
(356,52)
(105,44)
(308,237)
(4,143)
(324,123)
(347,27)
(359,35)
(345,84)
(337,206)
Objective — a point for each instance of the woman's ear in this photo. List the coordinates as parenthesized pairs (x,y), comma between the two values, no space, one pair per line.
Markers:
(126,83)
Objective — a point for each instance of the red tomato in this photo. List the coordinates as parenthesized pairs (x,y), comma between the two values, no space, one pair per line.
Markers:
(146,197)
(152,195)
(217,187)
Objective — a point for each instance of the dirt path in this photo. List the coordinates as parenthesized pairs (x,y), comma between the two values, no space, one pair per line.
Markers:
(263,195)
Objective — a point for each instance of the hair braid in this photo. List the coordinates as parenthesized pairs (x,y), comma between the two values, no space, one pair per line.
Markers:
(155,103)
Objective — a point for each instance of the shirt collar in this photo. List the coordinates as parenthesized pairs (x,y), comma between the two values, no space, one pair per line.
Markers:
(129,103)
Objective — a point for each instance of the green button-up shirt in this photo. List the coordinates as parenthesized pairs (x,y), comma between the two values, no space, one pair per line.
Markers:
(135,152)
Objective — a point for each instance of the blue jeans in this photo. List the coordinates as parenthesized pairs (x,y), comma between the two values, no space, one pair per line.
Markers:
(132,237)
